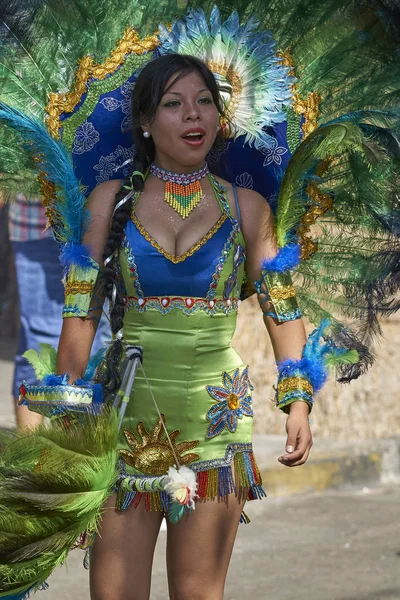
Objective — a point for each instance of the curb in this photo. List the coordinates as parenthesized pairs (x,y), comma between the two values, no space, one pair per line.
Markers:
(331,465)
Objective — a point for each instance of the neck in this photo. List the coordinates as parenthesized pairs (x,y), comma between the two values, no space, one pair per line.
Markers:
(175,167)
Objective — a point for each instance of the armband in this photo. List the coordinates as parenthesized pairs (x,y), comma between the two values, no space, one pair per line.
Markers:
(79,289)
(277,296)
(57,400)
(299,379)
(276,292)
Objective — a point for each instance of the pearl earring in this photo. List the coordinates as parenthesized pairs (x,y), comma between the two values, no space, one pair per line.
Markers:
(146,134)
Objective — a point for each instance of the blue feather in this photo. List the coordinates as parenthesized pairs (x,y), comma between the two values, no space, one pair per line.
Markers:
(313,363)
(54,164)
(75,254)
(93,363)
(288,258)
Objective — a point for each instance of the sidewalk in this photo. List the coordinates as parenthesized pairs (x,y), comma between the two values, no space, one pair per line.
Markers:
(331,465)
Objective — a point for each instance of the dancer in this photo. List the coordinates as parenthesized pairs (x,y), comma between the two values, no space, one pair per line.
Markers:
(169,244)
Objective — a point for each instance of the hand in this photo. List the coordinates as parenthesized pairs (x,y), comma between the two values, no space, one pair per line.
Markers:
(299,438)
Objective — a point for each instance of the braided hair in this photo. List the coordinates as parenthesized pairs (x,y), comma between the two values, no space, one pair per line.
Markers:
(148,91)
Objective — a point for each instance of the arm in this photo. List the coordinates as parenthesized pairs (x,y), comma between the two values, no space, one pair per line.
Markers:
(78,332)
(288,338)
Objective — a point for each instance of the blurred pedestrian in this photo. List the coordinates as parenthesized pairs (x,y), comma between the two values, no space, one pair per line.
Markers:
(40,291)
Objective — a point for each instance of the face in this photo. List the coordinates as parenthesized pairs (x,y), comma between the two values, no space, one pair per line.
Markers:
(185,124)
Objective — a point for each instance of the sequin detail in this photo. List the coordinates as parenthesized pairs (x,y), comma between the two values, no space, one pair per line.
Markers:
(185,255)
(151,452)
(239,256)
(132,267)
(165,304)
(221,261)
(236,473)
(234,402)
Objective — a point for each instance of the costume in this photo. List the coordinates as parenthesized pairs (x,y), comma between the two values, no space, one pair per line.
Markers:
(315,140)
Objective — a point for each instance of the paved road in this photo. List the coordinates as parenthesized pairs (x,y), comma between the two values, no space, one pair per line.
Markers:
(333,546)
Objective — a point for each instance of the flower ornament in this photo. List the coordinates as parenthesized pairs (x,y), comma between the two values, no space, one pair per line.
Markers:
(234,402)
(254,84)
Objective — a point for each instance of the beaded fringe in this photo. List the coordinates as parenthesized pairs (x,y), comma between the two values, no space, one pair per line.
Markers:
(244,479)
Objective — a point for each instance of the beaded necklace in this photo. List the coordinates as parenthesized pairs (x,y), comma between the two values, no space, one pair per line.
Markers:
(182,191)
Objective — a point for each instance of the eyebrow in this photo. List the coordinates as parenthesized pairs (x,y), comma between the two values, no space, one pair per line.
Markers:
(179,93)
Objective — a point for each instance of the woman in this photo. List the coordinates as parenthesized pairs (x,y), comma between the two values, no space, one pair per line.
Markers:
(182,260)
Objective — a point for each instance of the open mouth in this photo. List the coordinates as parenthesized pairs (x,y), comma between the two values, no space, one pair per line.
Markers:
(194,137)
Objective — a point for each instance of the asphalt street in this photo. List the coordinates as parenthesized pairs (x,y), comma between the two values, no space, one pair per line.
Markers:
(333,546)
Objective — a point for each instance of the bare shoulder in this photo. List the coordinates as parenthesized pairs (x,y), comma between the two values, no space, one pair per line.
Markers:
(102,199)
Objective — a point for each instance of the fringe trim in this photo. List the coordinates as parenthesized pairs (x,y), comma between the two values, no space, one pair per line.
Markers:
(242,478)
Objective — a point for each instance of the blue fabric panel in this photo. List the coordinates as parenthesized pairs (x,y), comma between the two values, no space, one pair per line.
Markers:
(259,170)
(159,276)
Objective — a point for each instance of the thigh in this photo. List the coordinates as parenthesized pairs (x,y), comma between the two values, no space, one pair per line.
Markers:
(122,555)
(199,549)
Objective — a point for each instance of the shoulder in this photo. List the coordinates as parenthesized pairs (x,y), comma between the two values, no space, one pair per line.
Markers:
(102,199)
(257,219)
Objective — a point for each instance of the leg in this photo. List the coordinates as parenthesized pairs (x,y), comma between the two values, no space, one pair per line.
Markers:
(122,555)
(199,549)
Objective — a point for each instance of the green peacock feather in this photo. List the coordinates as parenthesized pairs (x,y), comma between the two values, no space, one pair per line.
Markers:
(53,484)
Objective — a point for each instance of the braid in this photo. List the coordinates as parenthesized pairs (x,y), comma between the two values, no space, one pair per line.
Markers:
(112,286)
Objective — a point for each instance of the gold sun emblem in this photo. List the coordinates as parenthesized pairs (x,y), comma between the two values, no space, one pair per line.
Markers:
(151,453)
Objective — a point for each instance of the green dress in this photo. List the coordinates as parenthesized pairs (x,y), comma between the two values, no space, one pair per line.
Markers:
(182,311)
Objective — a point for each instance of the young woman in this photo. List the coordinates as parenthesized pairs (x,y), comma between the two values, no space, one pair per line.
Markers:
(181,245)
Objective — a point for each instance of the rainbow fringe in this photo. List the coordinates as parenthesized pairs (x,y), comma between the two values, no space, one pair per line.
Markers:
(244,479)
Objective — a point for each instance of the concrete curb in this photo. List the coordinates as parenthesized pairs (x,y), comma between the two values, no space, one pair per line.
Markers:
(331,465)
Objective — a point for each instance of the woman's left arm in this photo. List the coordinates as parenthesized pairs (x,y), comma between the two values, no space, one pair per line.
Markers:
(288,338)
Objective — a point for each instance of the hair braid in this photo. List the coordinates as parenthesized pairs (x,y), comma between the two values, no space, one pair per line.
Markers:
(112,284)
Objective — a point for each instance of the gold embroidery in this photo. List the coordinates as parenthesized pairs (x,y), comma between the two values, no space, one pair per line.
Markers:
(185,255)
(294,383)
(78,287)
(282,293)
(151,453)
(308,107)
(60,103)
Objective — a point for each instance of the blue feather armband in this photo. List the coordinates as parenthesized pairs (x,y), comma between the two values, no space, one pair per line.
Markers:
(300,379)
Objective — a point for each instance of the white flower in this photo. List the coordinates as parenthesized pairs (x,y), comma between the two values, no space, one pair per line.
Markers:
(86,137)
(273,153)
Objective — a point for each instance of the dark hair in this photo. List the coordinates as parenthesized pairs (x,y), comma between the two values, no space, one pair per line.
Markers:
(147,94)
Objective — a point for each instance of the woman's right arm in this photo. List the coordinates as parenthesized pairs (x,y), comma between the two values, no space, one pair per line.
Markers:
(77,333)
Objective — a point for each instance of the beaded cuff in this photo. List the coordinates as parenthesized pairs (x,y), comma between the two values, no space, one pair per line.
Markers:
(57,400)
(292,389)
(79,289)
(277,296)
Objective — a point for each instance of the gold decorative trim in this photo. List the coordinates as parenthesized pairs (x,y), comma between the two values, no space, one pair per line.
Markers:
(60,103)
(185,255)
(282,293)
(78,287)
(308,107)
(48,193)
(294,383)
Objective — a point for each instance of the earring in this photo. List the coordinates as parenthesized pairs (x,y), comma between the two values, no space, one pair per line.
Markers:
(146,134)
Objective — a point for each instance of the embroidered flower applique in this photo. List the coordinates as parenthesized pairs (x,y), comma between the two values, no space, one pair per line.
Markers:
(234,402)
